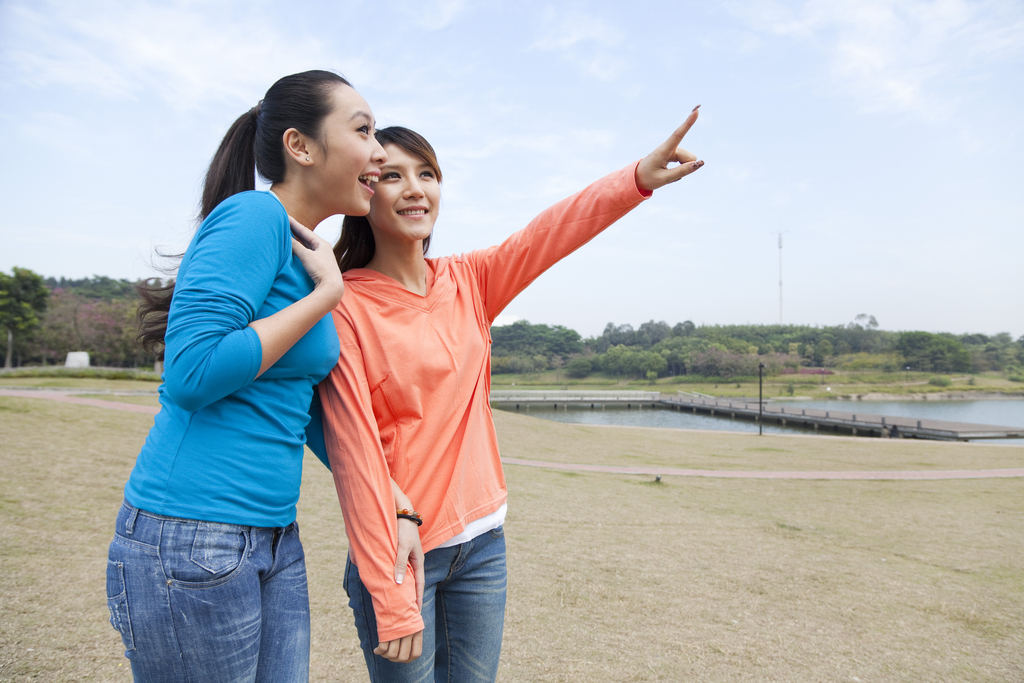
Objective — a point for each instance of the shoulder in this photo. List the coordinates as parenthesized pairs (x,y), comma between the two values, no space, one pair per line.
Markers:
(445,264)
(258,211)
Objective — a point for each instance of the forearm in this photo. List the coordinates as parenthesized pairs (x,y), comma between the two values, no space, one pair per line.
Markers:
(401,500)
(280,331)
(507,269)
(367,494)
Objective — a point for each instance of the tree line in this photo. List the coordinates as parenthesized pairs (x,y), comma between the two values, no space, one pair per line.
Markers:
(43,319)
(656,349)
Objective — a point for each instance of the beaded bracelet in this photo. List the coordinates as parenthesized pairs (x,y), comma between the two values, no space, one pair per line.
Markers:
(411,515)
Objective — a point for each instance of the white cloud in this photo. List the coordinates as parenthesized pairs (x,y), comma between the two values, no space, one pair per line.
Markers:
(443,14)
(583,40)
(563,30)
(897,55)
(190,56)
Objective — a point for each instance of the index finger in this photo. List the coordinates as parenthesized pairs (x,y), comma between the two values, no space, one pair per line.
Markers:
(669,146)
(301,231)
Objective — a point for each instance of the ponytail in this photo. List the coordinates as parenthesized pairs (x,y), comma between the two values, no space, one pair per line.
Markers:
(254,143)
(233,167)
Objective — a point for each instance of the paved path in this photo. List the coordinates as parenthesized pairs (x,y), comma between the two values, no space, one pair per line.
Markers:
(649,471)
(66,397)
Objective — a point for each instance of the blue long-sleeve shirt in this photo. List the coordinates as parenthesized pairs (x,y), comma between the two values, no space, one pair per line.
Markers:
(226,446)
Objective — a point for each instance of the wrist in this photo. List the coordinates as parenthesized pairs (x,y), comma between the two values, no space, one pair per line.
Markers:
(411,515)
(643,183)
(328,293)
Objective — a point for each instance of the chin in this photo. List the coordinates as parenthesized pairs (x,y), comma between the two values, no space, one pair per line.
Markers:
(357,208)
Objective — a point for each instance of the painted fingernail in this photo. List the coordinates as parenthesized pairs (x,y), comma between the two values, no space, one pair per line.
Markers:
(695,108)
(698,164)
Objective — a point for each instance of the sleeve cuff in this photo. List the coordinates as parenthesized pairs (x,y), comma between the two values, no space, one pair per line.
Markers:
(643,193)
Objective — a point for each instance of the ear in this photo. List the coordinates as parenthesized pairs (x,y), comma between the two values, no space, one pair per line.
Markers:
(298,147)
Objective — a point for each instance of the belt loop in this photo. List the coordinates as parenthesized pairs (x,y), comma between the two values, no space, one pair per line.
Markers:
(129,525)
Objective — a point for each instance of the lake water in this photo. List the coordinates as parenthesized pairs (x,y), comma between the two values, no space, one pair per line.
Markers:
(1006,413)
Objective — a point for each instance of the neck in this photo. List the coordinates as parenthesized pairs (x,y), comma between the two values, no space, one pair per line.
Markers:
(299,204)
(402,262)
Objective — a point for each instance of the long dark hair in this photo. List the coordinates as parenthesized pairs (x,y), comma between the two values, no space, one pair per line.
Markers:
(253,144)
(355,247)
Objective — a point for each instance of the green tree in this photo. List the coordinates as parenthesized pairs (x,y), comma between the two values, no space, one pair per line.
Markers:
(523,339)
(823,351)
(933,352)
(579,368)
(23,298)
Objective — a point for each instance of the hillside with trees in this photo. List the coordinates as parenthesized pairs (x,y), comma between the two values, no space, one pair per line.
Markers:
(42,319)
(94,314)
(657,349)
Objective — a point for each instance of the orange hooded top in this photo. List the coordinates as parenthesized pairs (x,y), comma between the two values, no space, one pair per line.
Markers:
(409,397)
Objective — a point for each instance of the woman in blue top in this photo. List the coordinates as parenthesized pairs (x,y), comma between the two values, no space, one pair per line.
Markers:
(206,575)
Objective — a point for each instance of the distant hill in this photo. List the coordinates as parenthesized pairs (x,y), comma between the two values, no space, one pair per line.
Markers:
(95,287)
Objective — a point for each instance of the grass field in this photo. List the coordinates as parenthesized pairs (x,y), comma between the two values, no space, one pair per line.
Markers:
(612,578)
(839,385)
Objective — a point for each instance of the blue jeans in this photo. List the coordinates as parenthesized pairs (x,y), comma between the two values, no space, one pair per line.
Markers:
(204,601)
(463,615)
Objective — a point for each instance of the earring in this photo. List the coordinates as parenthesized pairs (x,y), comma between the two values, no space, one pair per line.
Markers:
(307,158)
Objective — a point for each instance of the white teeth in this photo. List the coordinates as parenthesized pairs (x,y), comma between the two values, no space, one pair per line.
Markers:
(412,212)
(369,178)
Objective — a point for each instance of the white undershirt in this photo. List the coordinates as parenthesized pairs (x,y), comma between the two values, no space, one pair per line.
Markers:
(478,527)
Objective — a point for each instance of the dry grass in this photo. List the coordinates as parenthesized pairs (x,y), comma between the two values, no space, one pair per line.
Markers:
(612,578)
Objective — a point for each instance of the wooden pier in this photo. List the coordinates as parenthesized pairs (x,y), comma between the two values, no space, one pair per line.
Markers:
(854,422)
(841,421)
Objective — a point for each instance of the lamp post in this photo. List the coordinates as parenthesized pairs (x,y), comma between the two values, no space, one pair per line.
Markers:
(906,375)
(760,399)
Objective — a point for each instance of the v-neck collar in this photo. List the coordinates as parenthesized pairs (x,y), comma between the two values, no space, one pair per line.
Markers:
(392,290)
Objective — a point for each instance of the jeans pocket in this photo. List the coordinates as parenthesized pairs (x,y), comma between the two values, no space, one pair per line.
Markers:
(217,548)
(498,532)
(203,554)
(117,603)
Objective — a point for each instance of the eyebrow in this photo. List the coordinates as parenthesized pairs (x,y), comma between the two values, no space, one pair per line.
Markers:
(421,164)
(366,115)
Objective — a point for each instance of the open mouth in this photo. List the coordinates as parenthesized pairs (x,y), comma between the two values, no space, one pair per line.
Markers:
(367,180)
(412,212)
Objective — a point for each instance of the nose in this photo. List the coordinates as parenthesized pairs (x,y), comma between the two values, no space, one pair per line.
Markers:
(378,153)
(414,188)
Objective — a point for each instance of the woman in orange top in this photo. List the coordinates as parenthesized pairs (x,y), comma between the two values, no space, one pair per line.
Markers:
(409,400)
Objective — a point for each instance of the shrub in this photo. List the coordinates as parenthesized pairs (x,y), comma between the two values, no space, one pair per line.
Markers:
(579,368)
(940,381)
(517,364)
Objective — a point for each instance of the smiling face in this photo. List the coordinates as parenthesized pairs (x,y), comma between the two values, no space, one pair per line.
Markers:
(407,199)
(349,158)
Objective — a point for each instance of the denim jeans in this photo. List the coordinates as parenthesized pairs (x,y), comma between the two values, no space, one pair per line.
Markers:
(204,601)
(463,615)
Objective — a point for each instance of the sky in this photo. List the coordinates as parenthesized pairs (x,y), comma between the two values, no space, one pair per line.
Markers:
(880,139)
